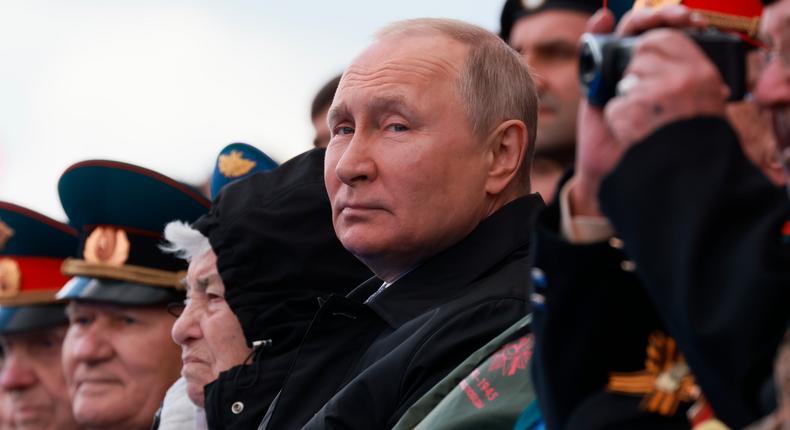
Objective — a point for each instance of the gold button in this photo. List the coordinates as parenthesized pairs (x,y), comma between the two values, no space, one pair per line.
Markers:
(628,265)
(616,243)
(237,407)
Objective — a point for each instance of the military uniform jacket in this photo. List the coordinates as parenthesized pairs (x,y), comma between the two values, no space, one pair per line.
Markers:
(705,229)
(591,318)
(361,366)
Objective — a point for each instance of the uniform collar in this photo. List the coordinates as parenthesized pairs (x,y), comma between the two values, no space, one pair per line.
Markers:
(451,273)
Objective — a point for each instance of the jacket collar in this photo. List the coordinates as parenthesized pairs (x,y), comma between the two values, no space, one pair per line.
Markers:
(450,273)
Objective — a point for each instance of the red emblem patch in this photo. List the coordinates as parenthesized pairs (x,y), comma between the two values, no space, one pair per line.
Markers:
(513,357)
(481,389)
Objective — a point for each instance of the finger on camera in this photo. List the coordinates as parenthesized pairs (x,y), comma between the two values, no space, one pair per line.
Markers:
(629,119)
(669,42)
(601,22)
(641,20)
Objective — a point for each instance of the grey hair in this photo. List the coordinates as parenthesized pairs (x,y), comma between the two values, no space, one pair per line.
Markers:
(495,83)
(184,241)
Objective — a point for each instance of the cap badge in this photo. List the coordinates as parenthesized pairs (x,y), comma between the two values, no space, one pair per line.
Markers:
(234,164)
(10,278)
(532,4)
(5,233)
(108,246)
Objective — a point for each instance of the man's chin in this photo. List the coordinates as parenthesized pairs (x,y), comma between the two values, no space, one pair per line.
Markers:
(195,394)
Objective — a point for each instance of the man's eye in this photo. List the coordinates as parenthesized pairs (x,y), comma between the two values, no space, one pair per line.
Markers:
(47,343)
(79,320)
(214,297)
(397,128)
(344,130)
(128,320)
(555,53)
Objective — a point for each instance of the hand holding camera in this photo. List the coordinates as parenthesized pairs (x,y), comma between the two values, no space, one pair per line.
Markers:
(665,77)
(671,79)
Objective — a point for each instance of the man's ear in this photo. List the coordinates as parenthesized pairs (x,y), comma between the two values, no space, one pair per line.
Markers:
(507,146)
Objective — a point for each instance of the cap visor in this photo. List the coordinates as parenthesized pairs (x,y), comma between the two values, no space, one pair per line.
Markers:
(117,292)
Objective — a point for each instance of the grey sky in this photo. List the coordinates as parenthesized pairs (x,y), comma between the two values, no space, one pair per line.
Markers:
(166,84)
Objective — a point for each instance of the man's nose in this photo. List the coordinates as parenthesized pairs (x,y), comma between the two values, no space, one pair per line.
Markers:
(16,373)
(94,345)
(357,164)
(187,327)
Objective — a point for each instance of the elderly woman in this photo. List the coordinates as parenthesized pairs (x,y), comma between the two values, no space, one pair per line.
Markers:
(260,263)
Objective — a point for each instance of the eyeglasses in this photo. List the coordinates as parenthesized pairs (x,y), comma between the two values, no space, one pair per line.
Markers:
(768,55)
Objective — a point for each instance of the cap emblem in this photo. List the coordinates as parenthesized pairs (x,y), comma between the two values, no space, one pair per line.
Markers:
(639,4)
(5,233)
(10,278)
(107,245)
(532,4)
(234,164)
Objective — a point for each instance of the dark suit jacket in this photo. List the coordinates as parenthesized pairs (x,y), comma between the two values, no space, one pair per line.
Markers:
(704,227)
(361,366)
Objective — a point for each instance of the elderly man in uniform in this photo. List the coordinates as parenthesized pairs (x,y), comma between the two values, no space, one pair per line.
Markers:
(592,287)
(427,172)
(702,222)
(248,280)
(118,357)
(32,322)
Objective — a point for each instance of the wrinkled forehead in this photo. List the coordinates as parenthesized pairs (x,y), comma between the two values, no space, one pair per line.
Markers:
(203,265)
(775,23)
(107,308)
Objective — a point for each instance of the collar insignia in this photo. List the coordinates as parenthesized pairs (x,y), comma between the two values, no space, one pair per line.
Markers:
(234,164)
(108,246)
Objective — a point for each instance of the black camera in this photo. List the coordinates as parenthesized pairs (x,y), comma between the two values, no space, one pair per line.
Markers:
(604,58)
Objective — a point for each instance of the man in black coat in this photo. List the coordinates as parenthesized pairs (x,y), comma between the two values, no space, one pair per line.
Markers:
(702,223)
(427,172)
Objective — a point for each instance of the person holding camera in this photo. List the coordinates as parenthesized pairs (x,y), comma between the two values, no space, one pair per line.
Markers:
(705,227)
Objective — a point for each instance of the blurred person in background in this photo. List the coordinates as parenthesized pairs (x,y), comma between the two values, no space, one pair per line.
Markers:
(546,33)
(705,226)
(262,260)
(591,286)
(32,322)
(118,356)
(319,109)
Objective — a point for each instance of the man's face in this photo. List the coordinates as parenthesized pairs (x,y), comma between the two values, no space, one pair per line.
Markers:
(322,134)
(549,42)
(208,331)
(773,84)
(32,380)
(118,361)
(405,173)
